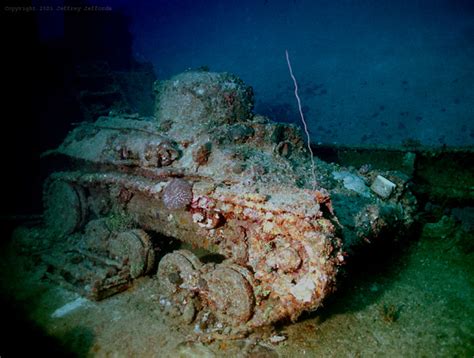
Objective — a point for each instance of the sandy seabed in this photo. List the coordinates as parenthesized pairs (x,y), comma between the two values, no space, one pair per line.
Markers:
(415,299)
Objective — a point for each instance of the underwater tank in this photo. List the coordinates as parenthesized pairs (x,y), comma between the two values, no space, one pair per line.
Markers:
(208,172)
(311,197)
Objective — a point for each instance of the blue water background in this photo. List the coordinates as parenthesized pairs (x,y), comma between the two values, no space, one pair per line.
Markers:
(369,71)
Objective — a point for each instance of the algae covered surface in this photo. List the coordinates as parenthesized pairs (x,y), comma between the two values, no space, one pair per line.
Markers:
(411,300)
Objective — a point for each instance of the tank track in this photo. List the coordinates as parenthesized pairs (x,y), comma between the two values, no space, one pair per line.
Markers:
(281,253)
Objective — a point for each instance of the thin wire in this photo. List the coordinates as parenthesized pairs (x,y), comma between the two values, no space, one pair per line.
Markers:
(313,168)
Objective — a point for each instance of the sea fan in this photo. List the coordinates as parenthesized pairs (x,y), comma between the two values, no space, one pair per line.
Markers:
(178,194)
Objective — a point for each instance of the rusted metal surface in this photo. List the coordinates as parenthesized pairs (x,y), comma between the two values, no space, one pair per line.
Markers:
(213,175)
(99,262)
